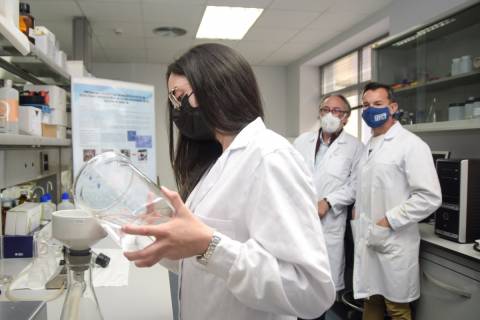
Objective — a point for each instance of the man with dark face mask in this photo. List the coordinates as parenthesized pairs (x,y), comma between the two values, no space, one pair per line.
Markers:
(397,186)
(332,156)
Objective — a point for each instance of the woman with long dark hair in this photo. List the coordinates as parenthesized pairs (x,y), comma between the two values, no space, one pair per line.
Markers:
(247,243)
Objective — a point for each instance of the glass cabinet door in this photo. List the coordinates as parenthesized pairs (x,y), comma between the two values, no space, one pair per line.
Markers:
(435,70)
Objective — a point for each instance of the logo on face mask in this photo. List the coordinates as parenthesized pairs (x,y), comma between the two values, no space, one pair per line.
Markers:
(375,117)
(330,123)
(380,117)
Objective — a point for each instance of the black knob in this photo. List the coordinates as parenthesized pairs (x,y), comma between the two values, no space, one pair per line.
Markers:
(102,260)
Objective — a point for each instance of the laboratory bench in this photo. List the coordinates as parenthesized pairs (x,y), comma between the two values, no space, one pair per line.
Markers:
(146,297)
(450,278)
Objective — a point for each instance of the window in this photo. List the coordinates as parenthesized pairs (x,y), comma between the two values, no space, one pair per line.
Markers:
(348,75)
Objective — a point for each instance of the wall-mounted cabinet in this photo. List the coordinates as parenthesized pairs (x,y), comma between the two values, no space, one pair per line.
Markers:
(434,70)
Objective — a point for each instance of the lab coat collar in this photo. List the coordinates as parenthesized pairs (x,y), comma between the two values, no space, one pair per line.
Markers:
(340,138)
(207,182)
(247,134)
(393,131)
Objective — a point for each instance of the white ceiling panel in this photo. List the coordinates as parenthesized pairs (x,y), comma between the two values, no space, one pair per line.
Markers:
(331,20)
(120,55)
(120,42)
(127,29)
(165,55)
(289,51)
(54,10)
(240,3)
(286,30)
(279,18)
(172,14)
(256,51)
(161,43)
(105,11)
(304,5)
(270,34)
(314,35)
(361,7)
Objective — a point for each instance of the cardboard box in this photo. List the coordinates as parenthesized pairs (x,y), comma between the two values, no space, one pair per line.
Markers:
(57,96)
(49,130)
(23,219)
(30,121)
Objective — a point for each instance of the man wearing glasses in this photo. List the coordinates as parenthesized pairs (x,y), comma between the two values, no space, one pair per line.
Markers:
(332,155)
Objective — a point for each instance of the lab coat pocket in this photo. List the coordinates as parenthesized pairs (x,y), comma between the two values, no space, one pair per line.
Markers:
(338,167)
(378,238)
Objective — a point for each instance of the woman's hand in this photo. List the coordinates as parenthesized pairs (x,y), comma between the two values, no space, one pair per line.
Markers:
(184,235)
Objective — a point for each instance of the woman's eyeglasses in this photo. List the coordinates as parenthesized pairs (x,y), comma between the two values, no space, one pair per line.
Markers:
(177,102)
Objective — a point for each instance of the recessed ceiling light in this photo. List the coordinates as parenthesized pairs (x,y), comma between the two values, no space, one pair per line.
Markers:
(227,22)
(169,32)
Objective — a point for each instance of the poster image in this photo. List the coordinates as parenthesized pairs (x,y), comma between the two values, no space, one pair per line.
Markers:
(113,115)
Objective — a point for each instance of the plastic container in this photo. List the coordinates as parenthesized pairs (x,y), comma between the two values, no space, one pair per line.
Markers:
(48,207)
(466,64)
(469,105)
(456,111)
(476,108)
(117,193)
(455,69)
(8,109)
(65,204)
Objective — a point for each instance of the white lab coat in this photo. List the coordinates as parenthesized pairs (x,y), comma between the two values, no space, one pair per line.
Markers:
(332,179)
(271,262)
(398,180)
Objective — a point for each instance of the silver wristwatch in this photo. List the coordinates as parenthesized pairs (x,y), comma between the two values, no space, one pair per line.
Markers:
(203,259)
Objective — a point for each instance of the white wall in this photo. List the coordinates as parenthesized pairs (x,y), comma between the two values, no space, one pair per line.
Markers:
(399,16)
(271,80)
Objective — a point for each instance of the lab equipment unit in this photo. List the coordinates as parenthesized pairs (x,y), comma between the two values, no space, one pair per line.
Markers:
(458,218)
(117,193)
(78,230)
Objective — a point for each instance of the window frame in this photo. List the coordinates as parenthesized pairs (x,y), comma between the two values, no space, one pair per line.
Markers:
(359,85)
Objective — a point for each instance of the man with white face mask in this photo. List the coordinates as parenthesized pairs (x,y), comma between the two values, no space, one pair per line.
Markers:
(332,156)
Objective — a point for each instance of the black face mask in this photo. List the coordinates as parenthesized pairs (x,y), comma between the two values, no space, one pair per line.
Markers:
(191,122)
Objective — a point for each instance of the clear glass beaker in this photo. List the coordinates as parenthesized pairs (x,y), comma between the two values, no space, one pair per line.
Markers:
(117,193)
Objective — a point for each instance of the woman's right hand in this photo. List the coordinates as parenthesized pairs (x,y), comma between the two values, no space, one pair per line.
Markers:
(184,235)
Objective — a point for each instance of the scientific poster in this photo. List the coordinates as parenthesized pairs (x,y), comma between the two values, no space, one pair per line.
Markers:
(110,115)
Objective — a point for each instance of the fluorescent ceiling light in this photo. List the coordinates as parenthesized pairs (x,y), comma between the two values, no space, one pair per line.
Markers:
(227,22)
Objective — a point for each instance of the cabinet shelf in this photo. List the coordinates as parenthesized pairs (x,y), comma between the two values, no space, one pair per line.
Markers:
(20,59)
(455,125)
(443,82)
(34,141)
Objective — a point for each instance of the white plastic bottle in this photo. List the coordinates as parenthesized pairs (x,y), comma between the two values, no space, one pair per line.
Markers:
(47,207)
(8,108)
(66,204)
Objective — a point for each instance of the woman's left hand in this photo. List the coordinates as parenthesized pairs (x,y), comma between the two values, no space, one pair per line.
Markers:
(184,235)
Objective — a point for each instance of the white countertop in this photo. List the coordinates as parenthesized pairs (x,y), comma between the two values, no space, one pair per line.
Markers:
(147,296)
(428,235)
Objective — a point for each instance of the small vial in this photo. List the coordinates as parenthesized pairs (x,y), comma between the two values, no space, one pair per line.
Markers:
(26,21)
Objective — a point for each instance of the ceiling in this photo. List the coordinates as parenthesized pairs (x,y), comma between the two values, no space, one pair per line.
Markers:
(286,30)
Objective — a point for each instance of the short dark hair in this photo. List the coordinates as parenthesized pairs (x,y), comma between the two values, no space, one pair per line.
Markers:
(341,97)
(372,86)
